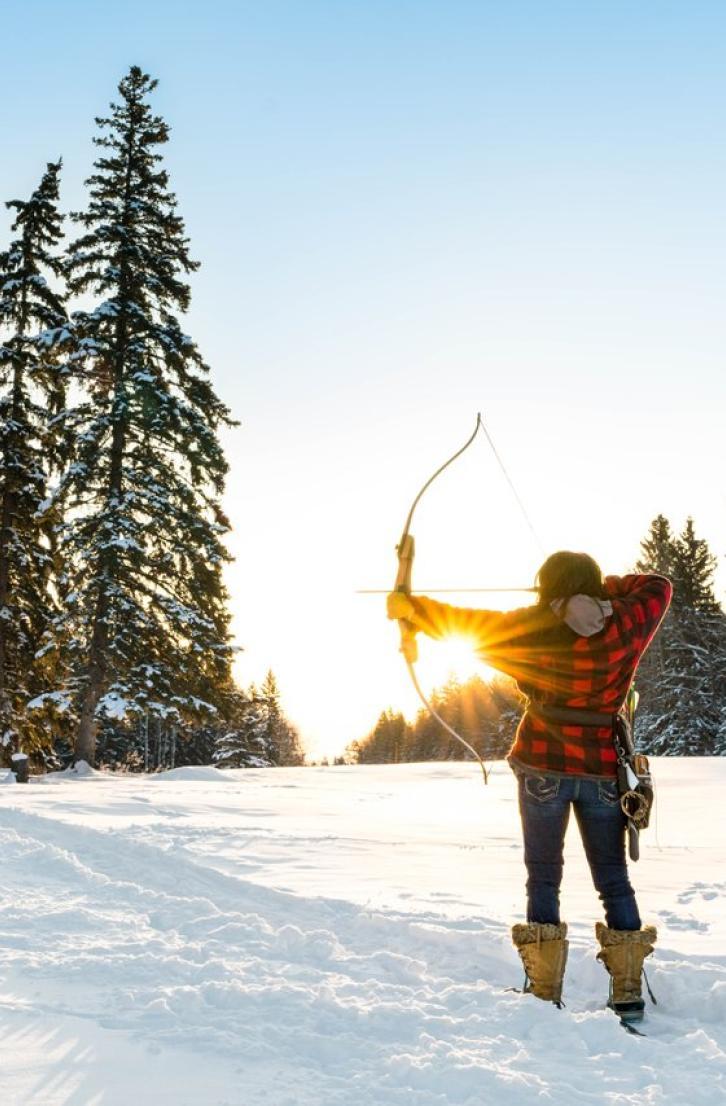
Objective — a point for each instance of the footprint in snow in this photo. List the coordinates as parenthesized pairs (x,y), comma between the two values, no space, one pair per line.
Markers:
(678,921)
(706,891)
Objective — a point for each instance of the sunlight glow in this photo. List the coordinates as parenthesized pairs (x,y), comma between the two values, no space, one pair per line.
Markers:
(454,657)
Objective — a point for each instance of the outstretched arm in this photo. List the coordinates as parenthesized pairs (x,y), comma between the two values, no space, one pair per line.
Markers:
(486,629)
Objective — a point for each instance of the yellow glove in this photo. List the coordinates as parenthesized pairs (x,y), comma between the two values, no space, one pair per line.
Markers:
(399,606)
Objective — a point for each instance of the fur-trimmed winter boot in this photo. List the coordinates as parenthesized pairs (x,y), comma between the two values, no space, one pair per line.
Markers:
(623,951)
(543,949)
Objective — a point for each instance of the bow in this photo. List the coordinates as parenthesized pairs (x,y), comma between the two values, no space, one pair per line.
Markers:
(406,551)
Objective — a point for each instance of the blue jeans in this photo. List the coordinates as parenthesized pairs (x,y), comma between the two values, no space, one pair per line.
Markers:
(544,805)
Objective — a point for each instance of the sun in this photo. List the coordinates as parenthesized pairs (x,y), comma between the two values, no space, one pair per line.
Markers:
(451,657)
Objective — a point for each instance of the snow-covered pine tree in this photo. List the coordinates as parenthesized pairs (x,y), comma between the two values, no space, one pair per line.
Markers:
(196,744)
(692,570)
(656,555)
(30,389)
(282,738)
(681,678)
(699,646)
(244,744)
(146,624)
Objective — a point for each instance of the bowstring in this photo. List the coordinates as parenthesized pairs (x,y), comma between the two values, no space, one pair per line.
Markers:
(518,498)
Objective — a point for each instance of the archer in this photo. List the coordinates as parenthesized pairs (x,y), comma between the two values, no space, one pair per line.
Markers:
(573,654)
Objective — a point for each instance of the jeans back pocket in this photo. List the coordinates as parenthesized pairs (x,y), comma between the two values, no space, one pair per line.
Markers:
(542,788)
(607,792)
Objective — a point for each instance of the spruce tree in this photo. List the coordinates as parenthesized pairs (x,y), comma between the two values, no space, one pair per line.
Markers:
(656,556)
(693,568)
(657,548)
(281,737)
(385,743)
(146,625)
(245,743)
(30,391)
(698,648)
(681,677)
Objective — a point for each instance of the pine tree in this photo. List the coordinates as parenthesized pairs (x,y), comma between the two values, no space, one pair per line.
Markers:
(681,677)
(693,568)
(145,624)
(245,743)
(196,744)
(657,548)
(698,646)
(385,743)
(281,737)
(30,389)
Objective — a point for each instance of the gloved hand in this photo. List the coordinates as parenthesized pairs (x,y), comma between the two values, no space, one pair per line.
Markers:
(399,606)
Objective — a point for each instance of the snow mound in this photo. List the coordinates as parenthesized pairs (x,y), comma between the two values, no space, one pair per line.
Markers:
(81,770)
(198,773)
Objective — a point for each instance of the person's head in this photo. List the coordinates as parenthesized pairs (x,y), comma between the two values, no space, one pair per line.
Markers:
(565,574)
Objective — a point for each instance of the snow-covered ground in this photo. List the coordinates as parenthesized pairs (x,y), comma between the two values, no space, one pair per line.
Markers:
(337,937)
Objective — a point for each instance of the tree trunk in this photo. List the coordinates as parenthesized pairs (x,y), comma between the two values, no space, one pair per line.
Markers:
(5,522)
(85,743)
(9,511)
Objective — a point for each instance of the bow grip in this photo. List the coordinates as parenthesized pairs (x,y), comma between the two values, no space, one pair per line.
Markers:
(406,550)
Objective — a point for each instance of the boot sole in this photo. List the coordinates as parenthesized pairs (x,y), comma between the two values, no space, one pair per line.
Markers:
(628,1011)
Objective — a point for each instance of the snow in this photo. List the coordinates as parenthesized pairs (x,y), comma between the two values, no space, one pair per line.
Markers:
(59,700)
(197,774)
(113,705)
(337,937)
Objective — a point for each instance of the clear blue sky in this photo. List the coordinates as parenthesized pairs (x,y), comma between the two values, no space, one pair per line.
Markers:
(407,212)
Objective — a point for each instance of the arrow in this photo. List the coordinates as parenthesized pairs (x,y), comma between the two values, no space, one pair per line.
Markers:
(438,591)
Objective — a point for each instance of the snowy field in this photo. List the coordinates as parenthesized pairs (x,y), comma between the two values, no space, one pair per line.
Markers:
(337,937)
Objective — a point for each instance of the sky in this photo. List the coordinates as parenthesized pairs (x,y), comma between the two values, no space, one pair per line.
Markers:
(407,213)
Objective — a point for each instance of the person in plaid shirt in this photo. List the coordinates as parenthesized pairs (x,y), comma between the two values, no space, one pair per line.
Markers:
(575,650)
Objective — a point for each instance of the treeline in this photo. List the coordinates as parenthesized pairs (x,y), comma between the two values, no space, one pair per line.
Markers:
(256,735)
(681,680)
(484,713)
(114,618)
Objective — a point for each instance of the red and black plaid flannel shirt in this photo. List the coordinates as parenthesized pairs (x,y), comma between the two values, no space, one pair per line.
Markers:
(554,665)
